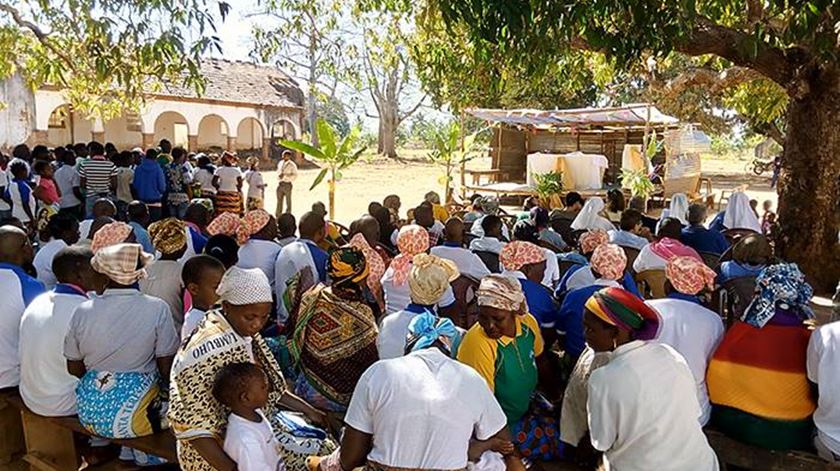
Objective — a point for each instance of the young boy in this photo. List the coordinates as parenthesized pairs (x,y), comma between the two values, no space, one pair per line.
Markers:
(249,439)
(201,276)
(19,193)
(256,185)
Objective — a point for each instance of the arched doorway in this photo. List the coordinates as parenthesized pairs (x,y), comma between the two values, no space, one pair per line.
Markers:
(212,133)
(173,127)
(249,134)
(282,129)
(67,127)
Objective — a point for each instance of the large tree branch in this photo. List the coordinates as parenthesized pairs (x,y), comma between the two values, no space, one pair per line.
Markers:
(738,48)
(42,37)
(403,116)
(713,81)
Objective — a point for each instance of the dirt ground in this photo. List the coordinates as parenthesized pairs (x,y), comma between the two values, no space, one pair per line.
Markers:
(373,180)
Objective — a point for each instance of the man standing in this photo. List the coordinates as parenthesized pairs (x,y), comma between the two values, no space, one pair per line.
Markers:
(288,173)
(97,177)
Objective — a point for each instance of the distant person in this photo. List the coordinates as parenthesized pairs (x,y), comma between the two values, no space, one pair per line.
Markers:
(204,176)
(286,229)
(667,245)
(138,219)
(97,176)
(737,215)
(63,230)
(591,217)
(256,185)
(640,204)
(453,250)
(630,231)
(615,205)
(201,276)
(150,184)
(125,178)
(287,172)
(47,192)
(19,194)
(228,183)
(178,184)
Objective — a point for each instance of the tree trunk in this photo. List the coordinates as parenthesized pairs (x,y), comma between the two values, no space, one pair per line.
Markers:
(312,117)
(809,185)
(388,123)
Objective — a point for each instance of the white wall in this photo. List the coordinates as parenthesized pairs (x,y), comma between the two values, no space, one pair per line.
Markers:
(210,132)
(17,112)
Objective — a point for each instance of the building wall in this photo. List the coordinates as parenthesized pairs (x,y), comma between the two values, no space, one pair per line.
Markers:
(167,118)
(17,112)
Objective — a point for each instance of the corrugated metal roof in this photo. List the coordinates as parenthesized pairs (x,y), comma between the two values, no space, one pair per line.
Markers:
(628,115)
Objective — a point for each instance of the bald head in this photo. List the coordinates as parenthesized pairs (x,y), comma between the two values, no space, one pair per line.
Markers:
(455,230)
(104,207)
(15,248)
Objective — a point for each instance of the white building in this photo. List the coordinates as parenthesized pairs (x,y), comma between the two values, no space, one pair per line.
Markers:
(244,106)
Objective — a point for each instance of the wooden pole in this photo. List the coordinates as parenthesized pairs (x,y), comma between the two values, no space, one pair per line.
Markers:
(647,132)
(463,161)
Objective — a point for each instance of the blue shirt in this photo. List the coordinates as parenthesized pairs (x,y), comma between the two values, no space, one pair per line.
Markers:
(571,319)
(627,282)
(684,297)
(28,288)
(732,269)
(319,256)
(717,222)
(704,240)
(198,240)
(541,304)
(149,182)
(142,236)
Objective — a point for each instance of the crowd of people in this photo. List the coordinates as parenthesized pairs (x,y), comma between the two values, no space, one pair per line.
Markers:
(145,291)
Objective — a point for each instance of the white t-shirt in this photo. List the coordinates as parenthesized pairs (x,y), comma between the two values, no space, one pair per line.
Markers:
(45,385)
(393,331)
(262,254)
(19,290)
(422,409)
(205,179)
(192,318)
(643,411)
(477,230)
(824,369)
(251,445)
(695,333)
(43,262)
(467,262)
(255,184)
(228,178)
(84,228)
(4,183)
(397,297)
(648,260)
(290,260)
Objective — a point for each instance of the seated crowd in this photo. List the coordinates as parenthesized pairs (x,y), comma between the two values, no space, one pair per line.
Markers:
(430,340)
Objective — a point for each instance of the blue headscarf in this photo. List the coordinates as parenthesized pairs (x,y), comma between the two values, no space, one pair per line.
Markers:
(425,329)
(779,284)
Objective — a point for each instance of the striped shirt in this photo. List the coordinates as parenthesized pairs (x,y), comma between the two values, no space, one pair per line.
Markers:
(98,172)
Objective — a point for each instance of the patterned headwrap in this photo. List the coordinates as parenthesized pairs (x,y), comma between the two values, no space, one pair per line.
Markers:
(123,263)
(347,268)
(411,241)
(425,329)
(44,215)
(490,205)
(501,292)
(241,287)
(376,266)
(590,240)
(229,157)
(780,284)
(169,235)
(689,276)
(252,223)
(429,278)
(225,223)
(621,308)
(517,254)
(609,260)
(110,234)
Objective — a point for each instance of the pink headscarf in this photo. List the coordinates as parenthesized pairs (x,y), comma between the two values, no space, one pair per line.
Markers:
(376,265)
(253,222)
(689,276)
(668,248)
(517,254)
(110,234)
(225,223)
(412,240)
(609,260)
(591,240)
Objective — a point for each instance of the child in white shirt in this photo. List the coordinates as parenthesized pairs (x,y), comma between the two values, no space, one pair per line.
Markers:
(201,276)
(256,185)
(249,439)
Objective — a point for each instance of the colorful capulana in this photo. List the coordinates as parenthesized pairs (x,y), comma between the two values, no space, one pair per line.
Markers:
(759,388)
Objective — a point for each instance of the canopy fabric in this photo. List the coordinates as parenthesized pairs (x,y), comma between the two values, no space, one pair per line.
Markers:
(629,115)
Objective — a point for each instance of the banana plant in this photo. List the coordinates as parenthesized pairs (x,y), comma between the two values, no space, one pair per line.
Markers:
(448,153)
(335,155)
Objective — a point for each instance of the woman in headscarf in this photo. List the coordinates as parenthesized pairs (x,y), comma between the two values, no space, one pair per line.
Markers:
(121,345)
(678,209)
(412,240)
(582,275)
(737,215)
(757,378)
(505,347)
(110,234)
(169,237)
(591,217)
(366,238)
(655,255)
(749,256)
(231,335)
(334,338)
(228,181)
(256,236)
(428,279)
(438,211)
(634,430)
(225,224)
(527,263)
(615,205)
(489,207)
(421,411)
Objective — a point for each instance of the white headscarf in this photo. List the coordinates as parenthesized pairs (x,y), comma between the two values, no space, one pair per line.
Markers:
(589,216)
(679,208)
(244,286)
(739,214)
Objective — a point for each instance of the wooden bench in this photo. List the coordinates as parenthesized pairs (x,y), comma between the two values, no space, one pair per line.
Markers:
(51,446)
(734,453)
